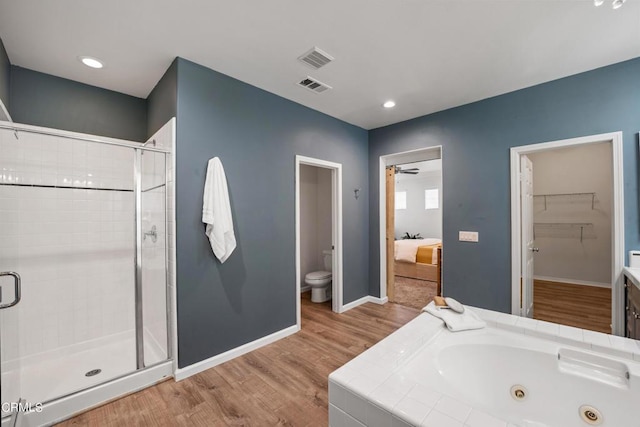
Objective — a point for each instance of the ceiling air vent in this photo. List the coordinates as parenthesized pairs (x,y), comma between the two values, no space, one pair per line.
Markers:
(316,58)
(314,85)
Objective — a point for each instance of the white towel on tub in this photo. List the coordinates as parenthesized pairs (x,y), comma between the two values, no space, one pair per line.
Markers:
(216,211)
(456,321)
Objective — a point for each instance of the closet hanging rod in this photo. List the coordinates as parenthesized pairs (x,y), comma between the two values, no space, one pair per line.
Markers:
(562,224)
(564,194)
(591,195)
(66,134)
(565,226)
(65,187)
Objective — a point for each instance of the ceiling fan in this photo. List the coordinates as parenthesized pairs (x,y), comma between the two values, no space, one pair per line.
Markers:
(410,171)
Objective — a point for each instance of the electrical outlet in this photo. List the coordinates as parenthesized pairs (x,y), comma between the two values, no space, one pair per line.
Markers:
(468,236)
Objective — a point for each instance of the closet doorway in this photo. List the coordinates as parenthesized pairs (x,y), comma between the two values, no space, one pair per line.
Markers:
(567,232)
(318,233)
(411,239)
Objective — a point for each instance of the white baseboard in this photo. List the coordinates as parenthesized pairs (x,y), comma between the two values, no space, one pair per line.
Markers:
(305,288)
(378,300)
(203,365)
(363,300)
(354,304)
(573,281)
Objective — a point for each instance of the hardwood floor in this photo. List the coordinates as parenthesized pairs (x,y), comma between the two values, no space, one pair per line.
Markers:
(284,383)
(586,307)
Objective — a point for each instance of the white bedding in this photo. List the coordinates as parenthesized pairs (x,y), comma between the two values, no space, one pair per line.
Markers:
(407,249)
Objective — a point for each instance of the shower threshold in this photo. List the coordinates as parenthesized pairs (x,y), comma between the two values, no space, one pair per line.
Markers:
(61,376)
(47,376)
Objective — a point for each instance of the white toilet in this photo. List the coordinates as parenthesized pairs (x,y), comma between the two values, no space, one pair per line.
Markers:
(320,281)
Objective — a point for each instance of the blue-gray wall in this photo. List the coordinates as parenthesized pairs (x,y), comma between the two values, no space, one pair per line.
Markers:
(5,75)
(162,102)
(476,139)
(45,100)
(256,135)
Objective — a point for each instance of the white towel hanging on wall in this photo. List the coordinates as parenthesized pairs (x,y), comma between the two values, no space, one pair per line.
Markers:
(216,211)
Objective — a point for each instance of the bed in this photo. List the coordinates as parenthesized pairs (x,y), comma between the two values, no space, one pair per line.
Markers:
(419,259)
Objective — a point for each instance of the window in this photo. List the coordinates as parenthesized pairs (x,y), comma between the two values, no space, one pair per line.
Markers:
(431,199)
(401,200)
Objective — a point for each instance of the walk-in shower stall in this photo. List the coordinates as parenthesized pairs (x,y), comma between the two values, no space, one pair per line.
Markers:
(84,300)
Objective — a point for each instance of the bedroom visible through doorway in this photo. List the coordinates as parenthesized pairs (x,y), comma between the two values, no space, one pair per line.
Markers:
(413,231)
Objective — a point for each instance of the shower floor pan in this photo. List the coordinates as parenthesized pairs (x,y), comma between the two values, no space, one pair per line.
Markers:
(45,377)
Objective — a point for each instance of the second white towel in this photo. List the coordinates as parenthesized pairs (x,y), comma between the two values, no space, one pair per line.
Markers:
(456,321)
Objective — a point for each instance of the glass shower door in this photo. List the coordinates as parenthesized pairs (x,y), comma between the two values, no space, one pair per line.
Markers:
(83,222)
(153,256)
(10,285)
(67,211)
(10,393)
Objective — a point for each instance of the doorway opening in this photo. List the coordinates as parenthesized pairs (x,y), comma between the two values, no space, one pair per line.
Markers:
(318,235)
(567,232)
(411,227)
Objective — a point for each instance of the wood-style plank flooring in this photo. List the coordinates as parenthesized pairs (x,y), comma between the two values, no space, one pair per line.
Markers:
(284,383)
(586,307)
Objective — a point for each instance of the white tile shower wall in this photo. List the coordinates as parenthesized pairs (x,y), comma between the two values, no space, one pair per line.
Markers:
(153,170)
(164,136)
(34,159)
(74,250)
(73,247)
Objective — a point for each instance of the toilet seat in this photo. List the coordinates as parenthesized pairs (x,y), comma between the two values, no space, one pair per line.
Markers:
(318,279)
(318,275)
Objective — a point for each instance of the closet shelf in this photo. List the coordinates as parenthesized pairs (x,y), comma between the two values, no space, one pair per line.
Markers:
(581,230)
(569,197)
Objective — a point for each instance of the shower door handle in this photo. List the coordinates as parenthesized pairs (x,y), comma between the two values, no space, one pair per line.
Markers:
(17,288)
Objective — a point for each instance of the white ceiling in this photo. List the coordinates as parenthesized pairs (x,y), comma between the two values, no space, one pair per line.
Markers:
(426,55)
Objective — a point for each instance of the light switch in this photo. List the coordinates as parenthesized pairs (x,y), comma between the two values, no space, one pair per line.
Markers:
(468,236)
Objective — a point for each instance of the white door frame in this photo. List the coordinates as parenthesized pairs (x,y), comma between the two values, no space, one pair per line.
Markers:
(417,155)
(336,230)
(617,220)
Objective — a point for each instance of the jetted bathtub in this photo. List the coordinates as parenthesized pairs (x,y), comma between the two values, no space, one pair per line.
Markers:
(515,372)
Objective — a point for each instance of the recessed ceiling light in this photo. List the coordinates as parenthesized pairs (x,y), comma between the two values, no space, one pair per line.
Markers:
(389,104)
(91,62)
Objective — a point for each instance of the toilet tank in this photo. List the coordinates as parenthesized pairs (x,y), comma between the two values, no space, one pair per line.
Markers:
(328,259)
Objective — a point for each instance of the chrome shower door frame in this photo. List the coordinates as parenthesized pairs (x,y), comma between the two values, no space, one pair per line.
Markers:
(143,374)
(139,238)
(139,318)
